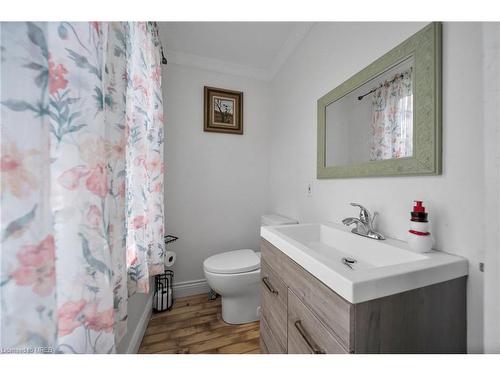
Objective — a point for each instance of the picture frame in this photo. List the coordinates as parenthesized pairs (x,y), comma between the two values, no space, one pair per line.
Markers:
(223,110)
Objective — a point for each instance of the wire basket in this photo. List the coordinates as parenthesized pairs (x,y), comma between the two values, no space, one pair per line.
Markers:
(163,298)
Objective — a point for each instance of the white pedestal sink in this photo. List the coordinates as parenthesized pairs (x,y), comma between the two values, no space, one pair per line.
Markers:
(381,268)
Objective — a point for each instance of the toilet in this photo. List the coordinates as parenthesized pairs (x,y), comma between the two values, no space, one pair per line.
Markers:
(235,275)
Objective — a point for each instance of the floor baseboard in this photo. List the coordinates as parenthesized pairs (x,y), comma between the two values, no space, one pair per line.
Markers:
(190,288)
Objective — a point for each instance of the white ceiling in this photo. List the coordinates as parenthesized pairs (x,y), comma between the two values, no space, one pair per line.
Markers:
(252,49)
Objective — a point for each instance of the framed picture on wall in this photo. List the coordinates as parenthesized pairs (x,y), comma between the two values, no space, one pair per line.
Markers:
(223,111)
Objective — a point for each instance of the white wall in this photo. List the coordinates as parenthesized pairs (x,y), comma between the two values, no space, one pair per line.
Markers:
(216,184)
(331,53)
(491,79)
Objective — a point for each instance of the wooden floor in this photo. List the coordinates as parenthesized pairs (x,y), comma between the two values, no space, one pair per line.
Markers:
(195,325)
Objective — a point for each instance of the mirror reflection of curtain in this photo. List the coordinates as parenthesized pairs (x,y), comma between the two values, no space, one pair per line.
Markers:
(392,119)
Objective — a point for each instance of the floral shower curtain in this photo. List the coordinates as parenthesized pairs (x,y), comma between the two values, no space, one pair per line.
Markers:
(392,119)
(81,181)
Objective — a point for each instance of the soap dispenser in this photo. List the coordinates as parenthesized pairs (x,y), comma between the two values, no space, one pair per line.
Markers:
(419,238)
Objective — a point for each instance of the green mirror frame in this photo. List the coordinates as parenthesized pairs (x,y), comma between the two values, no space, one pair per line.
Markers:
(426,49)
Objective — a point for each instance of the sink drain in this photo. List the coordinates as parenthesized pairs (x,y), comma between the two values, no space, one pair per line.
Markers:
(348,262)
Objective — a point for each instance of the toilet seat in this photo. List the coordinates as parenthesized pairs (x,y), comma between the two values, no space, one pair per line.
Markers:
(233,262)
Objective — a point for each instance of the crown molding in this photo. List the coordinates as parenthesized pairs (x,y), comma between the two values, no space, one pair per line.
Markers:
(220,66)
(226,67)
(289,47)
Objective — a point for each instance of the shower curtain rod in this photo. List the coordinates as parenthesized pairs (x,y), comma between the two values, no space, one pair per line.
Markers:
(383,84)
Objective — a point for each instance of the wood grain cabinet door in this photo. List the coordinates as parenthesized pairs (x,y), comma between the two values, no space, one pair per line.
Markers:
(334,312)
(274,304)
(306,333)
(268,343)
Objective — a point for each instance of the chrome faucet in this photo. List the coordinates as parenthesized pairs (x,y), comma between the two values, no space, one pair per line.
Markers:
(364,225)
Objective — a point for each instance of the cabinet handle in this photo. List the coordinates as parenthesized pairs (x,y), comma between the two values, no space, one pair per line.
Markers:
(268,285)
(307,338)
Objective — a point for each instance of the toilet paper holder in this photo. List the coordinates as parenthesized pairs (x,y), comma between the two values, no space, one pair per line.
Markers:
(169,239)
(163,298)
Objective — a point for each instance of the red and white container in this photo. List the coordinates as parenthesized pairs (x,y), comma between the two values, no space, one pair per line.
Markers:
(419,238)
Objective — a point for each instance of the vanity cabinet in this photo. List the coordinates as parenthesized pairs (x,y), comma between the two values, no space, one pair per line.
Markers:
(306,334)
(274,301)
(299,314)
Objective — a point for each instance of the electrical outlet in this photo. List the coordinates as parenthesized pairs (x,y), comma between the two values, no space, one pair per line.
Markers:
(309,191)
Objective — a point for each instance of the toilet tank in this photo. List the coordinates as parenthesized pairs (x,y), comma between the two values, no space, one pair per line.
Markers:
(274,219)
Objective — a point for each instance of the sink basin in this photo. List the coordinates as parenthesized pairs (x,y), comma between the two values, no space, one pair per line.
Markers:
(377,268)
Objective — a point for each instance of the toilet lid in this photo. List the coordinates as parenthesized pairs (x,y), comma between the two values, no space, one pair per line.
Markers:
(236,261)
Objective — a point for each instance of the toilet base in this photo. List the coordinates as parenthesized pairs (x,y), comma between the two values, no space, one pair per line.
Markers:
(240,310)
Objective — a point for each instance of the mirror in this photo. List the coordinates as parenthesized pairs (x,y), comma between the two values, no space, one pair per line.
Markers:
(385,120)
(373,122)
